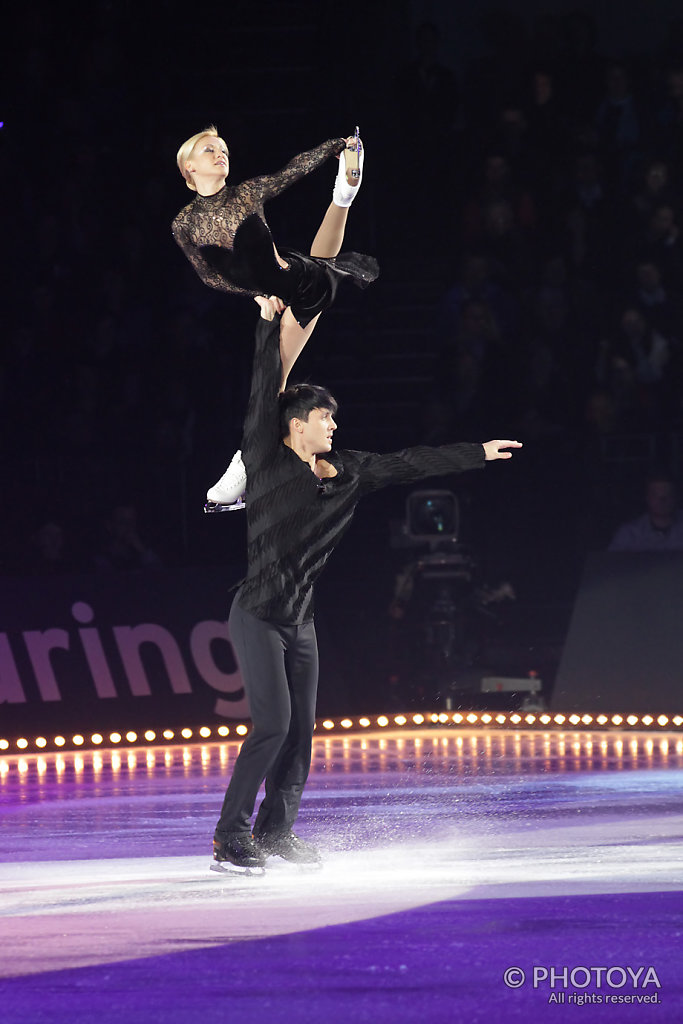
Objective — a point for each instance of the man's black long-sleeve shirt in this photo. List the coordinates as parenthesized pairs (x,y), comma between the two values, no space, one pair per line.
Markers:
(294,519)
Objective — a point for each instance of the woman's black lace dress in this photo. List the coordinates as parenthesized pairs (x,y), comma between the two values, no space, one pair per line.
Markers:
(226,239)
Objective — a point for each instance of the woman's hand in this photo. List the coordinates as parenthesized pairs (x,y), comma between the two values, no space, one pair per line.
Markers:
(493,449)
(350,141)
(270,305)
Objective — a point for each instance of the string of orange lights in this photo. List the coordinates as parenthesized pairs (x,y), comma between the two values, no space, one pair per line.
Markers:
(489,720)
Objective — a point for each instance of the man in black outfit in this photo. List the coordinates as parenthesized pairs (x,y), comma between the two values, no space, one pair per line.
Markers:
(300,500)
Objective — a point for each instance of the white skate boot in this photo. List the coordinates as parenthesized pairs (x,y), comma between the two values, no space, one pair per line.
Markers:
(349,173)
(227,494)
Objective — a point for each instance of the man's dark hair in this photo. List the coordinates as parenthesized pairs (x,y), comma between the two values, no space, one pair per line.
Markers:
(299,400)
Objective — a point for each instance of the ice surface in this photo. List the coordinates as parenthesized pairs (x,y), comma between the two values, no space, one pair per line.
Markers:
(104,857)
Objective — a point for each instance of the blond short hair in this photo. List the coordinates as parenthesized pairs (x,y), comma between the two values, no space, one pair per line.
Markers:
(185,152)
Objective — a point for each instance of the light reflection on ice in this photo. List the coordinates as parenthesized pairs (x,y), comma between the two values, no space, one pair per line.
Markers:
(107,856)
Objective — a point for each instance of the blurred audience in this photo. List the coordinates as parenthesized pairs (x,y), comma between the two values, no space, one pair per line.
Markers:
(122,548)
(552,177)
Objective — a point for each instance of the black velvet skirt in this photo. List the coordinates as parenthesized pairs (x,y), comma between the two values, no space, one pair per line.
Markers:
(308,285)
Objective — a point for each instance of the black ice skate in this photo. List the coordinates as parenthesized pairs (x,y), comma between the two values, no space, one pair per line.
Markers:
(290,847)
(238,854)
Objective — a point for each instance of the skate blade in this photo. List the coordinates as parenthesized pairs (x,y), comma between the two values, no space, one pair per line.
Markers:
(217,506)
(352,156)
(226,868)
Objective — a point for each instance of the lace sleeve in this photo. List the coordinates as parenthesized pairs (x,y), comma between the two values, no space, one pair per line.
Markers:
(268,185)
(204,269)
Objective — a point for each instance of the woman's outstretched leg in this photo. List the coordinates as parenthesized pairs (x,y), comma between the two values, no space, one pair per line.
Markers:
(330,236)
(293,338)
(326,244)
(228,491)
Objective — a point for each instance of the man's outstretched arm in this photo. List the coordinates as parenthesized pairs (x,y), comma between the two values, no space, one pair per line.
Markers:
(419,463)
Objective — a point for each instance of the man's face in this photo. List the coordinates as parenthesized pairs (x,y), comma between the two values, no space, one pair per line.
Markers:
(317,431)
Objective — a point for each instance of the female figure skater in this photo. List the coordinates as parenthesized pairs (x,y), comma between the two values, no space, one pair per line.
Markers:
(225,237)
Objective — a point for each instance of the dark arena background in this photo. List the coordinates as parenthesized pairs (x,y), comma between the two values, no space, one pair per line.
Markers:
(496,783)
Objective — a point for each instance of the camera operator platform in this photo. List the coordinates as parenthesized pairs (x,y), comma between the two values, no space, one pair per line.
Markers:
(438,595)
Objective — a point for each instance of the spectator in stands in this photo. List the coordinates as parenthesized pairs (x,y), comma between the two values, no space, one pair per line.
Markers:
(470,371)
(661,526)
(662,245)
(656,190)
(475,284)
(655,302)
(551,360)
(633,367)
(497,186)
(122,547)
(618,122)
(589,223)
(669,119)
(547,136)
(50,553)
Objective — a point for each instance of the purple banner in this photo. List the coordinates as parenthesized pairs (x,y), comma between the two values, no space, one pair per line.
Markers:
(105,651)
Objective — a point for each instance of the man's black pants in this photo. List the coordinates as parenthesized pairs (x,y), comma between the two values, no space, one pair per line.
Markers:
(279,666)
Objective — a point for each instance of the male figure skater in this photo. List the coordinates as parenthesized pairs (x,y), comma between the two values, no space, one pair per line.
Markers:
(300,500)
